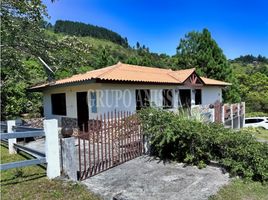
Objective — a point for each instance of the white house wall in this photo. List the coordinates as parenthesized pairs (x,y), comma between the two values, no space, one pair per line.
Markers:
(71,104)
(108,100)
(211,94)
(123,97)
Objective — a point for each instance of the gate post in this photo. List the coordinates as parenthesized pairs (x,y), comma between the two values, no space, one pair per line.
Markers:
(69,157)
(52,148)
(12,141)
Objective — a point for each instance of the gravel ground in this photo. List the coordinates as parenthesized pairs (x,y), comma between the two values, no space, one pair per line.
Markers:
(38,145)
(147,178)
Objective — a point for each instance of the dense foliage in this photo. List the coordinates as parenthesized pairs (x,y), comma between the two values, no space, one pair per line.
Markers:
(19,35)
(200,50)
(82,29)
(253,83)
(186,140)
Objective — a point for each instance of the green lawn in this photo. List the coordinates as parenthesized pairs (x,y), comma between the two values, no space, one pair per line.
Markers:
(259,133)
(262,134)
(31,183)
(239,190)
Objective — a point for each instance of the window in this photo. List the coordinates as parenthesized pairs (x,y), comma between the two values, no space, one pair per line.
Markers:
(58,102)
(198,97)
(142,99)
(93,98)
(167,98)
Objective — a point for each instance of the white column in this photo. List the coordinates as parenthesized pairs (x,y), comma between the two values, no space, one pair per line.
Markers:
(223,114)
(192,97)
(12,141)
(52,148)
(239,117)
(244,113)
(175,99)
(232,117)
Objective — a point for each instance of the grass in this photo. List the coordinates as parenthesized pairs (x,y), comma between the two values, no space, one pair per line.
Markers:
(240,190)
(262,134)
(259,133)
(31,183)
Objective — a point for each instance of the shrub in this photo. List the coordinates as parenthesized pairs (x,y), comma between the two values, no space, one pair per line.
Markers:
(178,138)
(256,114)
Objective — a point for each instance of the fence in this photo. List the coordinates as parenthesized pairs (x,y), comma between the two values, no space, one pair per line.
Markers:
(231,115)
(51,157)
(108,141)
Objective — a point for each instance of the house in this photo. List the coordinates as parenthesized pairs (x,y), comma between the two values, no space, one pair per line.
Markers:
(125,87)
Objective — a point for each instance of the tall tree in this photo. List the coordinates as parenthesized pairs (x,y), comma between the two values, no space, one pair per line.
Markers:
(22,40)
(200,50)
(20,35)
(138,45)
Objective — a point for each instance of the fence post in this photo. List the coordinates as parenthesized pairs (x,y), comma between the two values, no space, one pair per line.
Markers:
(238,116)
(223,114)
(69,157)
(232,116)
(12,141)
(52,148)
(244,114)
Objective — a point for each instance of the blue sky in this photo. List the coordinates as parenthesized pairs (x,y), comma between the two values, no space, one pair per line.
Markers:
(239,26)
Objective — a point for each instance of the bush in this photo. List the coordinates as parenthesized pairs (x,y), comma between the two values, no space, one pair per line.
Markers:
(256,114)
(190,141)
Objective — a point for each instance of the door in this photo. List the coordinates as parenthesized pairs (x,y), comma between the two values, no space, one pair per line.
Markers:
(82,109)
(142,99)
(185,98)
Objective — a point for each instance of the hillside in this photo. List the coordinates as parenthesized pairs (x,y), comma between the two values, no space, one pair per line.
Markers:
(66,55)
(97,53)
(82,29)
(251,74)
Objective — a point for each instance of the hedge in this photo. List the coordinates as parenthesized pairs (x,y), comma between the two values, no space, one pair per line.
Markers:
(179,138)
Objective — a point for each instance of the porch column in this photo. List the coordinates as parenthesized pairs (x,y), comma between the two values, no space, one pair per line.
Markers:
(175,98)
(192,96)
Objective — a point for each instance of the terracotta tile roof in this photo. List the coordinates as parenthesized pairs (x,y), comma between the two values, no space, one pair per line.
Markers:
(132,73)
(209,81)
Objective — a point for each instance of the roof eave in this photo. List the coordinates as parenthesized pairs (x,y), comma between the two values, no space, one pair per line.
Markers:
(41,89)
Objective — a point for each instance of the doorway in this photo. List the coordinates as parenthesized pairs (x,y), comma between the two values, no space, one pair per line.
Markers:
(142,99)
(82,109)
(185,98)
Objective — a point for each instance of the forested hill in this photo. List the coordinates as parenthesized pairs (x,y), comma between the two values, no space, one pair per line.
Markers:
(251,74)
(82,29)
(250,59)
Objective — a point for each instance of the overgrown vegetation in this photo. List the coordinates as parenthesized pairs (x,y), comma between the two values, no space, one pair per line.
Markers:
(193,142)
(252,75)
(31,183)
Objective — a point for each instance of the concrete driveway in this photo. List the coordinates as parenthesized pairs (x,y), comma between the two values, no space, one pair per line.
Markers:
(145,178)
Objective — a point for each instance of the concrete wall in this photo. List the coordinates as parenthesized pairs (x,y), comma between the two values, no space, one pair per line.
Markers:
(120,97)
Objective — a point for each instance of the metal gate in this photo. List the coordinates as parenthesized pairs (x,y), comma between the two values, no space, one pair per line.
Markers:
(107,141)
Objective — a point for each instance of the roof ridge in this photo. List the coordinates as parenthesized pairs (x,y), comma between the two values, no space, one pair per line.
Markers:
(148,67)
(142,71)
(186,69)
(113,67)
(172,76)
